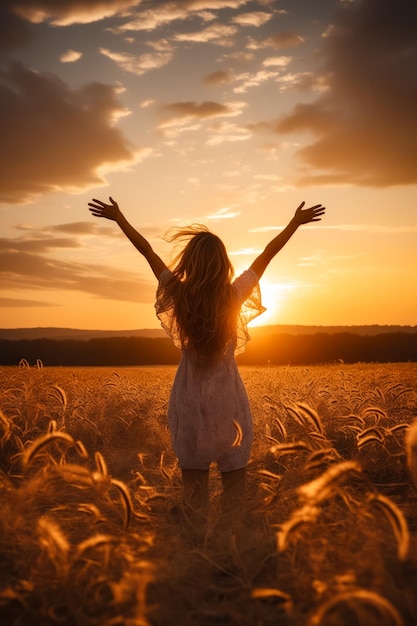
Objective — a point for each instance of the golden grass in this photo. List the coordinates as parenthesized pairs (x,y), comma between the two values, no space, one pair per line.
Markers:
(92,526)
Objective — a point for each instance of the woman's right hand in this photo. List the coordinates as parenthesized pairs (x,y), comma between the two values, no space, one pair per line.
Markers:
(101,209)
(305,216)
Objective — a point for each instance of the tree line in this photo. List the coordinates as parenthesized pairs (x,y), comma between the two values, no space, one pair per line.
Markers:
(279,349)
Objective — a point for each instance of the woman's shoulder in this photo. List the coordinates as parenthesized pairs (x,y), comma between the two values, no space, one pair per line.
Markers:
(165,275)
(246,281)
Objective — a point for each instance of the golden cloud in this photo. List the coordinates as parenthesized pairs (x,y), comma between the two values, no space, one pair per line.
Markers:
(66,12)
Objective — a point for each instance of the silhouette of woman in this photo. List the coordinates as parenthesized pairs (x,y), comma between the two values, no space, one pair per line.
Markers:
(206,314)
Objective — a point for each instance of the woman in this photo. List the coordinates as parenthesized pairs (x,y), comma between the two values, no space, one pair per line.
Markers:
(206,315)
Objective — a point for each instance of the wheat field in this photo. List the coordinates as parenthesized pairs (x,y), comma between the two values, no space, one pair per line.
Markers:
(93,529)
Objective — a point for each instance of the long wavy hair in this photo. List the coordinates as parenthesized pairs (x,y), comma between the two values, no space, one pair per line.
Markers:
(204,308)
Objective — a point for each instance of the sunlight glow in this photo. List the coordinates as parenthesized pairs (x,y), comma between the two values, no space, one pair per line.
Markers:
(238,143)
(273,297)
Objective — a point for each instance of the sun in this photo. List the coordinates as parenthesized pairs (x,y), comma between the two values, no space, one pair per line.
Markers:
(273,296)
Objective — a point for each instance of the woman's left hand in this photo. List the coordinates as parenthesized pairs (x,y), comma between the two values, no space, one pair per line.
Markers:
(101,209)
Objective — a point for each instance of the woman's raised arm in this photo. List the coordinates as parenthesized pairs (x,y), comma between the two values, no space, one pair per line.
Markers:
(301,216)
(112,212)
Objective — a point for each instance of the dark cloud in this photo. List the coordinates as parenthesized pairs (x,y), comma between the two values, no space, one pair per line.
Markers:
(23,269)
(220,77)
(28,262)
(54,137)
(37,244)
(72,228)
(21,303)
(177,113)
(365,124)
(279,41)
(15,32)
(192,109)
(80,228)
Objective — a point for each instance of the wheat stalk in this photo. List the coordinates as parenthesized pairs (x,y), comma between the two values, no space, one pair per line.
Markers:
(162,468)
(295,414)
(265,593)
(320,488)
(93,542)
(374,431)
(375,409)
(81,449)
(53,539)
(269,474)
(239,435)
(6,428)
(291,446)
(125,499)
(61,395)
(352,599)
(396,518)
(306,514)
(101,465)
(410,440)
(320,458)
(76,473)
(276,419)
(312,416)
(42,442)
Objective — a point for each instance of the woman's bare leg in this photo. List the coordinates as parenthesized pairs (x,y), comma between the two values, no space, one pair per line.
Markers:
(234,490)
(196,492)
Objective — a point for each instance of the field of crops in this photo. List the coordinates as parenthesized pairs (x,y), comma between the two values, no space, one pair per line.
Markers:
(93,529)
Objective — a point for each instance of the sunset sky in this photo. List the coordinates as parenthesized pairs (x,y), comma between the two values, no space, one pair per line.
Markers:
(222,112)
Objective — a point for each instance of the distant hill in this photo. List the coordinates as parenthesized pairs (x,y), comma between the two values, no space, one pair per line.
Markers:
(370,329)
(75,333)
(277,345)
(255,332)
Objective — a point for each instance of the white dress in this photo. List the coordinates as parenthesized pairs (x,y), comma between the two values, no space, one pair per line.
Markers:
(208,413)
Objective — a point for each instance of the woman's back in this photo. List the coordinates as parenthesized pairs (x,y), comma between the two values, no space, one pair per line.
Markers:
(208,414)
(201,296)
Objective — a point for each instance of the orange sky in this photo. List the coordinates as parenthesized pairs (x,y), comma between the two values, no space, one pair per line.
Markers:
(223,112)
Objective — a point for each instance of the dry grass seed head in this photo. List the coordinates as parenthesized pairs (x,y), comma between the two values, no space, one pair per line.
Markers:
(268,593)
(375,431)
(125,499)
(53,539)
(375,411)
(40,443)
(356,600)
(306,514)
(295,414)
(290,447)
(5,423)
(239,435)
(410,440)
(321,459)
(369,439)
(61,396)
(100,464)
(321,487)
(312,416)
(397,520)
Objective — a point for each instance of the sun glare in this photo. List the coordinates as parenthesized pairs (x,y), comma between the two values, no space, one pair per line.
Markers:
(273,295)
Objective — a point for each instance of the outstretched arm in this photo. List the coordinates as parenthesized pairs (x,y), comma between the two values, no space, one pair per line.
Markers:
(302,216)
(112,212)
